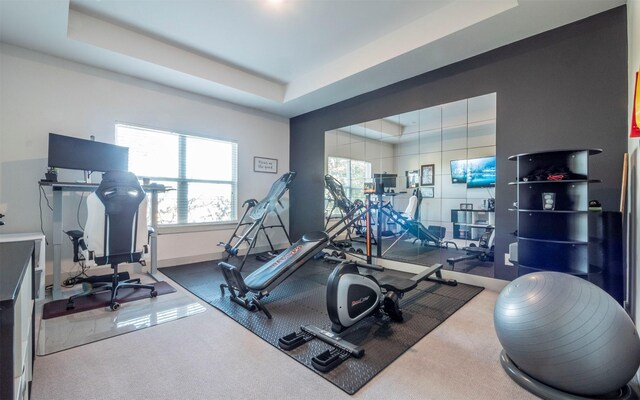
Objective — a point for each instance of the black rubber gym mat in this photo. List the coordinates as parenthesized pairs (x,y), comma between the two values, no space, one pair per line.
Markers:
(300,300)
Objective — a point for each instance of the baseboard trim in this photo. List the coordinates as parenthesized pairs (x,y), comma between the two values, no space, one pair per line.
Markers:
(495,285)
(172,262)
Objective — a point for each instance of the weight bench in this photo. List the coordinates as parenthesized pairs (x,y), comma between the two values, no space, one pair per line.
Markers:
(266,278)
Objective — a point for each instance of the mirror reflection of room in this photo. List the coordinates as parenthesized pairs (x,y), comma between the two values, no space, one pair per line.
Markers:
(438,170)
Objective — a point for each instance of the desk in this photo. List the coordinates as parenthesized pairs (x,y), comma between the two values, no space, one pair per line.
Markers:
(60,187)
(39,268)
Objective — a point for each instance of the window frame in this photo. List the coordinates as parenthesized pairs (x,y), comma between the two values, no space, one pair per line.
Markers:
(348,187)
(182,182)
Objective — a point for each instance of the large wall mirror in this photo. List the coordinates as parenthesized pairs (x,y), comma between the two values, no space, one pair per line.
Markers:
(438,166)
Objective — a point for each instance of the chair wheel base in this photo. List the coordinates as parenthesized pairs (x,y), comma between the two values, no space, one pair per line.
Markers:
(154,293)
(114,306)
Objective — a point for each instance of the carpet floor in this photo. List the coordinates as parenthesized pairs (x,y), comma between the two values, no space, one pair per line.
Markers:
(300,300)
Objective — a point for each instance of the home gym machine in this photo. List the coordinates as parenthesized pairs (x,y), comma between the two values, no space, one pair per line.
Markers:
(484,251)
(266,278)
(270,275)
(351,297)
(254,218)
(414,227)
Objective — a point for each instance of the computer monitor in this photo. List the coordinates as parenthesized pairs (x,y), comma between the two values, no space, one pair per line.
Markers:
(68,152)
(387,180)
(481,172)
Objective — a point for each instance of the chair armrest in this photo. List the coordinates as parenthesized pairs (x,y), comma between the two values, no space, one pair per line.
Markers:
(89,258)
(145,255)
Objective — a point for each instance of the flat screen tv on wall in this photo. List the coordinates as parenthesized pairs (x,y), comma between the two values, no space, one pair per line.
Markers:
(481,172)
(458,171)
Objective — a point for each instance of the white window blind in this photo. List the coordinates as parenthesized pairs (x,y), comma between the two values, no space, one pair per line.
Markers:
(203,171)
(351,173)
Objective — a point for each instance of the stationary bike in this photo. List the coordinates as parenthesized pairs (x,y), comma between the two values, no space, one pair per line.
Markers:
(352,296)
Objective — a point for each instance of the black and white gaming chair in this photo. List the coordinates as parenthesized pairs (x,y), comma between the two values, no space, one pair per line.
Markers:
(116,231)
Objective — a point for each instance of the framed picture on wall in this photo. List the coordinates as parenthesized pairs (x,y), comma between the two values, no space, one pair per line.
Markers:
(427,173)
(413,179)
(263,164)
(427,191)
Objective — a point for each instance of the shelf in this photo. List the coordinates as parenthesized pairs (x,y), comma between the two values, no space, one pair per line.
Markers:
(469,224)
(556,227)
(550,211)
(558,239)
(474,225)
(544,153)
(524,269)
(554,182)
(476,210)
(572,242)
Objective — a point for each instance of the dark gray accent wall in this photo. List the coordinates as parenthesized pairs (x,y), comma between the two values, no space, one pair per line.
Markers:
(562,89)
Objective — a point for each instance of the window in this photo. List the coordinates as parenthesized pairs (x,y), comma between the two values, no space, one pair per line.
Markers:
(203,172)
(351,173)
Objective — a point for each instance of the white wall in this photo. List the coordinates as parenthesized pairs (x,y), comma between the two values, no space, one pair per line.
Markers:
(633,24)
(41,94)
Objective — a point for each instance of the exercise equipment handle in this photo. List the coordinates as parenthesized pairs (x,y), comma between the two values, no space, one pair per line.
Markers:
(369,266)
(357,263)
(334,259)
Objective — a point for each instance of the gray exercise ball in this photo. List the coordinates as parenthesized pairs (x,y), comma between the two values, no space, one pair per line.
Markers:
(567,333)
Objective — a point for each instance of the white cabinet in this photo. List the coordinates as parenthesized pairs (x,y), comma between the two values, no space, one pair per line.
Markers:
(16,319)
(38,269)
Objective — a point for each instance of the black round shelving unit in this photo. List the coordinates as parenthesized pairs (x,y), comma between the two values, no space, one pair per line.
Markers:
(554,238)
